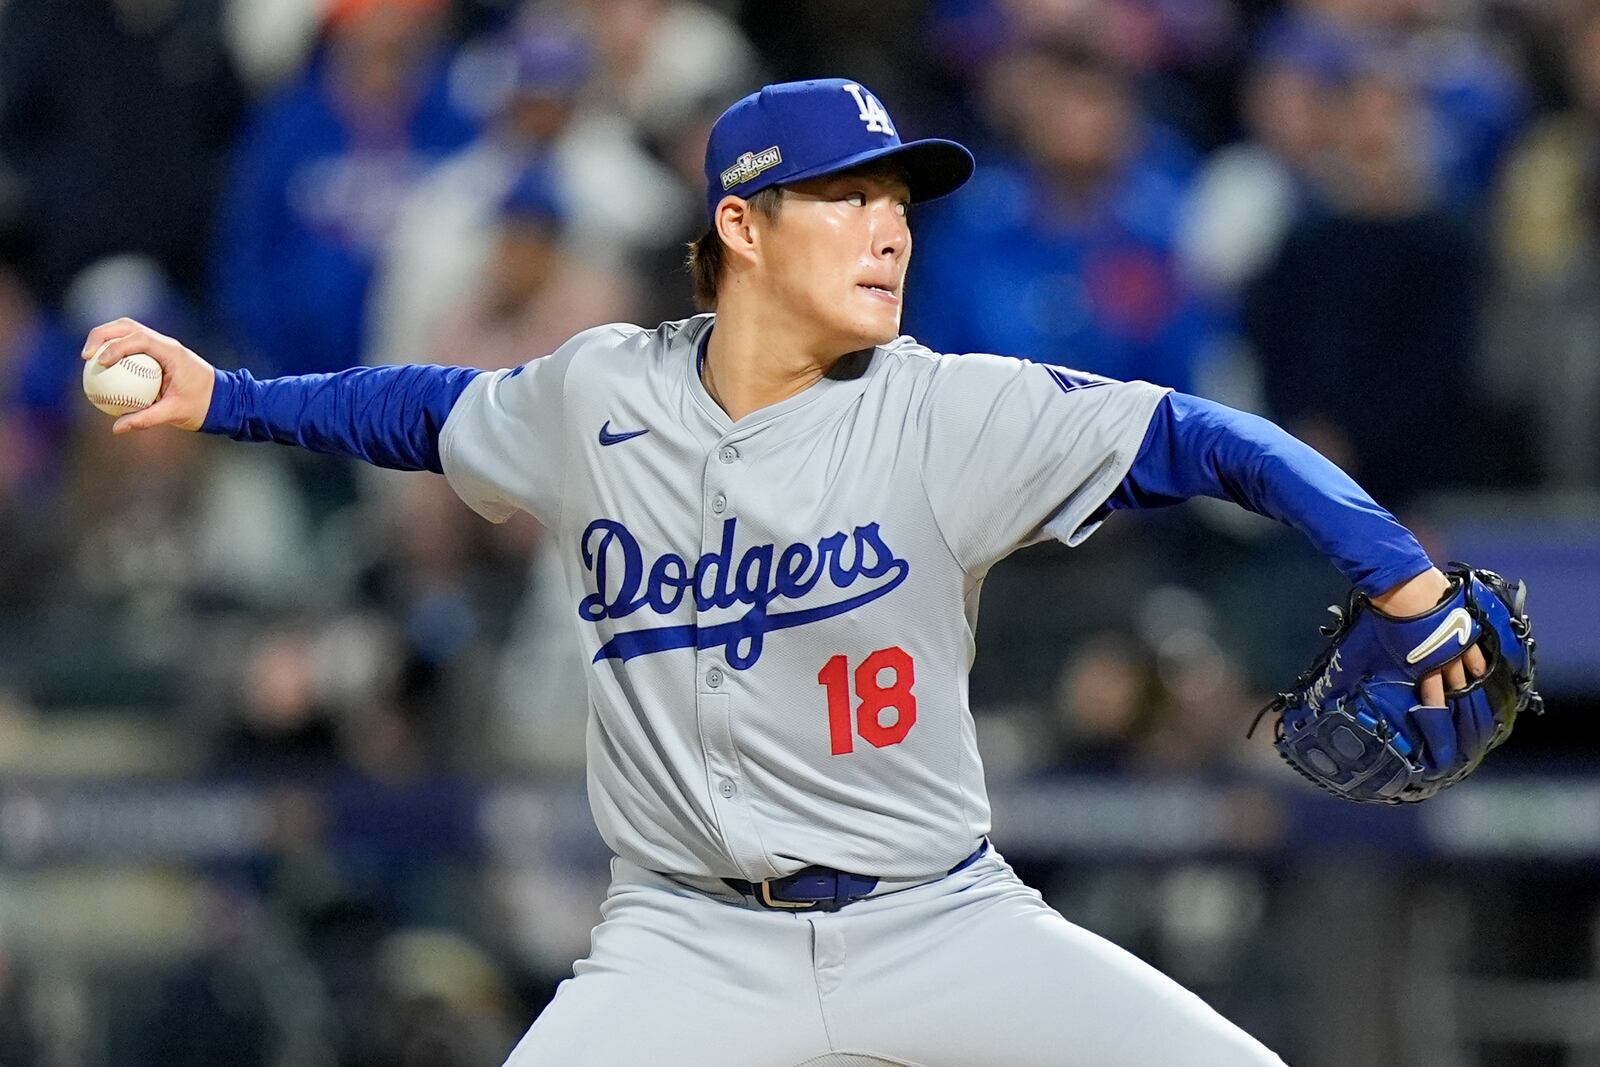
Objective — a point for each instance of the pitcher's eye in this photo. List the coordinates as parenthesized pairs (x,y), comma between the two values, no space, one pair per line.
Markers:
(856,199)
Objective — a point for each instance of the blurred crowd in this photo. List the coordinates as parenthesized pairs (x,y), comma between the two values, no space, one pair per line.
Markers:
(1376,221)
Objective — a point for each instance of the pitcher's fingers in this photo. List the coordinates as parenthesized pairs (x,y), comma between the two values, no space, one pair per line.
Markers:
(157,346)
(1430,690)
(1455,676)
(140,340)
(156,414)
(108,331)
(1477,666)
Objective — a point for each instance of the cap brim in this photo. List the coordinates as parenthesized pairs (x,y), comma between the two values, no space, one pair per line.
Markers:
(933,166)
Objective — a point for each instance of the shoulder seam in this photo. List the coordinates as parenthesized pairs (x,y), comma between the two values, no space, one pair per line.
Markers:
(922,464)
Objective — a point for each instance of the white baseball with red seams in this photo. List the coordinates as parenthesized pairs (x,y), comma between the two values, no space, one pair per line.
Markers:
(132,383)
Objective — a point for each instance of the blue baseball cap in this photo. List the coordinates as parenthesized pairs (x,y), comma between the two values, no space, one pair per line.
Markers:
(798,130)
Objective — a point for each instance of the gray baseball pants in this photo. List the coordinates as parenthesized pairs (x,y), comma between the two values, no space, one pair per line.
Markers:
(971,970)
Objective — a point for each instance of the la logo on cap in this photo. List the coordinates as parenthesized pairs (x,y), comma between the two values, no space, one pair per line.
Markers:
(872,112)
(749,165)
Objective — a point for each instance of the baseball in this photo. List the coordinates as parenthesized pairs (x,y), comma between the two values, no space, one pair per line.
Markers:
(130,384)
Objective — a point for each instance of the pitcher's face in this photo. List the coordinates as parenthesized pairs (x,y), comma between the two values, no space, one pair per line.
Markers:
(837,253)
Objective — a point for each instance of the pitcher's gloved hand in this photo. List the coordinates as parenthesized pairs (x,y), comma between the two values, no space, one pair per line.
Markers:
(1352,723)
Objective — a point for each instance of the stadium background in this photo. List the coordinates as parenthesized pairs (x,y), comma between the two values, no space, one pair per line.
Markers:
(290,751)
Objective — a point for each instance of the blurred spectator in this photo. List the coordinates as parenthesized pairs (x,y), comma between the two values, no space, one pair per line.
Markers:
(35,355)
(1065,255)
(450,584)
(279,726)
(115,116)
(1477,101)
(1182,51)
(319,178)
(663,272)
(614,196)
(1161,698)
(536,293)
(1188,51)
(1473,101)
(299,698)
(270,42)
(1381,288)
(1105,700)
(660,58)
(134,507)
(1250,193)
(42,407)
(1206,706)
(1541,360)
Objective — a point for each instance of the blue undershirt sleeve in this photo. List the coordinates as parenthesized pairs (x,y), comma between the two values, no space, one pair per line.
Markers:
(1196,447)
(387,416)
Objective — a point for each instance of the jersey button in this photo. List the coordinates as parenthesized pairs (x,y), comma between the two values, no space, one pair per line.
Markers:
(728,454)
(714,677)
(725,787)
(719,503)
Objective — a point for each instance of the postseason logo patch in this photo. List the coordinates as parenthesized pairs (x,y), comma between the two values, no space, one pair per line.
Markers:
(749,165)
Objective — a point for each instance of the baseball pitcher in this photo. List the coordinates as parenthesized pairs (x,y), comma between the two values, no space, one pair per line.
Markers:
(776,518)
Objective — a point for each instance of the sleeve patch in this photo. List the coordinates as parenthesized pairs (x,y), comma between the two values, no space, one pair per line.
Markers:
(1070,380)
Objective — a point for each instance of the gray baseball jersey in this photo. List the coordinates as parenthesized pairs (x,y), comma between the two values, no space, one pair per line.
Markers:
(779,612)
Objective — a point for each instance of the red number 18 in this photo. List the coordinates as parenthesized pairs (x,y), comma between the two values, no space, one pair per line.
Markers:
(875,699)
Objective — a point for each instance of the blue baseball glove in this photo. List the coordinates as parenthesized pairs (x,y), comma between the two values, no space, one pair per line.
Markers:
(1352,723)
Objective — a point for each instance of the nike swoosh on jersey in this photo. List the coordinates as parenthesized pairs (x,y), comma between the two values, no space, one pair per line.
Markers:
(609,438)
(1457,624)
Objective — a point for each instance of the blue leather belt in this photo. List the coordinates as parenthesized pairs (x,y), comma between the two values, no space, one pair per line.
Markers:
(823,888)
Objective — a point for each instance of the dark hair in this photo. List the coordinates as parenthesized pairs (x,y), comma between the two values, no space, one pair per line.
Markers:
(705,254)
